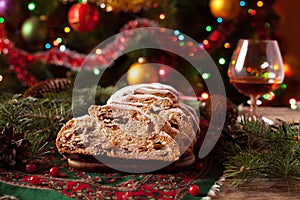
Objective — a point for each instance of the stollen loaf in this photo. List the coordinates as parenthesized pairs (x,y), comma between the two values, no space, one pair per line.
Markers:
(144,122)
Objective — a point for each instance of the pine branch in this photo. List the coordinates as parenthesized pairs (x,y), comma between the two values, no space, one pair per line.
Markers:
(40,119)
(269,152)
(245,167)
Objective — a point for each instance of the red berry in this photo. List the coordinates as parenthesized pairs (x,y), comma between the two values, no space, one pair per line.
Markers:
(30,168)
(194,190)
(34,180)
(198,166)
(54,171)
(63,175)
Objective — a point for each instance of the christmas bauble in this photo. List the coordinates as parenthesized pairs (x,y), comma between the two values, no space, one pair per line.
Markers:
(83,17)
(226,9)
(141,73)
(34,30)
(8,7)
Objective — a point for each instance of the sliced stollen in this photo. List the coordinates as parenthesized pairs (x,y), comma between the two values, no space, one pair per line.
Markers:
(71,138)
(135,133)
(179,126)
(163,104)
(144,126)
(117,132)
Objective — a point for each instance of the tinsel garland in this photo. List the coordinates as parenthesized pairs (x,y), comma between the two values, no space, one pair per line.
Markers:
(19,58)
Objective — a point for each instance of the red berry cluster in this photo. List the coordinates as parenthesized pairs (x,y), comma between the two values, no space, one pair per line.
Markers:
(35,180)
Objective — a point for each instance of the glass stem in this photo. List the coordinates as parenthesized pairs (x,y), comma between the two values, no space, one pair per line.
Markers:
(253,105)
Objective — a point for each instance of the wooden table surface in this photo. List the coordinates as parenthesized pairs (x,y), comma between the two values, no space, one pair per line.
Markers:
(259,190)
(283,113)
(265,189)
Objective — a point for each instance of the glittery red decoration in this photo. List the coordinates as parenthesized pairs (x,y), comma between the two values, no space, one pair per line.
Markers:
(83,17)
(19,58)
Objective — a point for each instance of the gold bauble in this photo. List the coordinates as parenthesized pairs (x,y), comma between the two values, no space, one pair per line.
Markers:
(226,9)
(139,73)
(34,30)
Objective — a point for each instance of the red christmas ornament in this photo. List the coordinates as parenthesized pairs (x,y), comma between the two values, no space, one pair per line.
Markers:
(35,180)
(194,190)
(54,172)
(30,168)
(83,17)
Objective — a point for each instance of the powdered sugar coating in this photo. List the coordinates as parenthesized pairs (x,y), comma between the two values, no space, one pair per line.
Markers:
(146,91)
(161,101)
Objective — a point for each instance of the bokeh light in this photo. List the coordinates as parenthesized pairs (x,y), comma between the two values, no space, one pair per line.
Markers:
(260,4)
(204,96)
(222,61)
(31,6)
(208,28)
(67,29)
(227,45)
(219,20)
(47,46)
(96,71)
(206,76)
(242,3)
(162,16)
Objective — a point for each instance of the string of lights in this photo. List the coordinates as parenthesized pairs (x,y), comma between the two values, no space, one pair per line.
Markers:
(57,52)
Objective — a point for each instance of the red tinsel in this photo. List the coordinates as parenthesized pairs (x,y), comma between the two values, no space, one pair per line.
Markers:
(19,58)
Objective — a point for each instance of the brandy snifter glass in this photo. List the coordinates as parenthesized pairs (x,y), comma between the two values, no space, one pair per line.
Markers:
(256,68)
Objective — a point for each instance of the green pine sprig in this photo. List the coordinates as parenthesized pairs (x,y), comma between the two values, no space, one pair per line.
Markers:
(38,119)
(270,152)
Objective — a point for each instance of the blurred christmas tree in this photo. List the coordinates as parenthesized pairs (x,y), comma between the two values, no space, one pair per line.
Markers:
(47,39)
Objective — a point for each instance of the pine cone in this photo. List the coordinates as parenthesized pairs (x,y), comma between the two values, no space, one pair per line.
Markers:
(238,135)
(231,111)
(48,86)
(12,150)
(8,153)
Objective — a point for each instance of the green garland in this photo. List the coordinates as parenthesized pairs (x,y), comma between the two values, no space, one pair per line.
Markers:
(258,150)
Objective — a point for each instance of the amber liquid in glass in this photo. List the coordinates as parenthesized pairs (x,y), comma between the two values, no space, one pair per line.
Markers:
(253,85)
